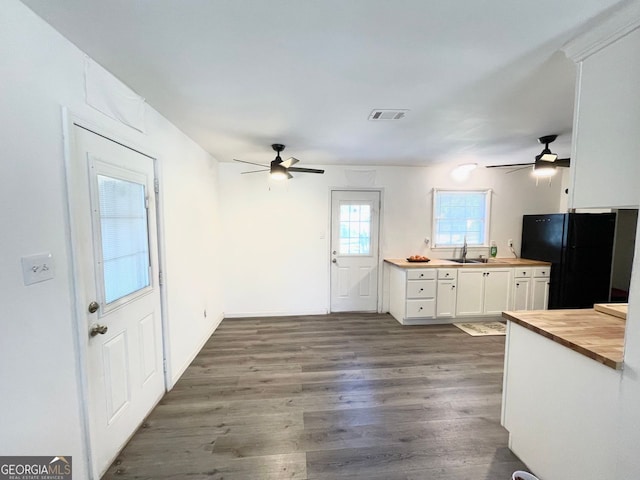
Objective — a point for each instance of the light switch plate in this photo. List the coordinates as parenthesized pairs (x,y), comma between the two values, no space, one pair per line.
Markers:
(37,268)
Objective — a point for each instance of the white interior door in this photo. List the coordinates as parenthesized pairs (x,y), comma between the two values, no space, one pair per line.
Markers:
(355,220)
(112,206)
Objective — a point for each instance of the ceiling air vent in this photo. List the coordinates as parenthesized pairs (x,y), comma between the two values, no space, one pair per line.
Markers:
(387,114)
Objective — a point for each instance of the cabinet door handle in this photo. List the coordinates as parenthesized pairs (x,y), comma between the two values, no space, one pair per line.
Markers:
(420,308)
(453,286)
(422,289)
(517,284)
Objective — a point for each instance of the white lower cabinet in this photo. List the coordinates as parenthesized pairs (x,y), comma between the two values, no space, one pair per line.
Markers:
(412,294)
(522,288)
(483,291)
(531,288)
(540,290)
(470,298)
(434,295)
(446,297)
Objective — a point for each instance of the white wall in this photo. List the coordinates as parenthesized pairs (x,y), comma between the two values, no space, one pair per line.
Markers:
(40,400)
(276,235)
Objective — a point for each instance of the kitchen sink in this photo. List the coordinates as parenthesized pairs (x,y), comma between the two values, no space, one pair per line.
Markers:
(468,260)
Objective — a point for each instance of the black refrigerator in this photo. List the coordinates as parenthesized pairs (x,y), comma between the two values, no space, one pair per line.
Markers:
(580,249)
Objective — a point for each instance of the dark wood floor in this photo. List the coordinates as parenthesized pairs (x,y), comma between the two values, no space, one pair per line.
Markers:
(352,396)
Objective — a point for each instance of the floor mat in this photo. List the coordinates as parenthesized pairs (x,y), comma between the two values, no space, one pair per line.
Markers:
(477,329)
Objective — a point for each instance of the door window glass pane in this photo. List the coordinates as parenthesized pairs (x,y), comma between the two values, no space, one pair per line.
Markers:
(355,229)
(125,237)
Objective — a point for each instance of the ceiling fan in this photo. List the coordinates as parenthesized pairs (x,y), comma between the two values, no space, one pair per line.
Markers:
(279,169)
(545,163)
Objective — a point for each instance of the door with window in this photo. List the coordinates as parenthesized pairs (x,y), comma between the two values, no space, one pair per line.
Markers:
(355,221)
(112,205)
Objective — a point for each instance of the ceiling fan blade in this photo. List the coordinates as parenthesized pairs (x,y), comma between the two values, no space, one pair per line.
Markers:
(518,169)
(250,163)
(305,170)
(255,171)
(510,165)
(563,162)
(289,162)
(289,175)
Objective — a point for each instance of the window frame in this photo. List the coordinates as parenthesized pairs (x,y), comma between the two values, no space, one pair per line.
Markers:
(487,217)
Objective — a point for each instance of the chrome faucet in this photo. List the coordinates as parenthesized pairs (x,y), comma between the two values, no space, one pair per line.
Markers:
(463,252)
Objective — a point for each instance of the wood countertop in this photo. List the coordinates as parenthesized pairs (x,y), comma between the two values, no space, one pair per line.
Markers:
(591,333)
(442,263)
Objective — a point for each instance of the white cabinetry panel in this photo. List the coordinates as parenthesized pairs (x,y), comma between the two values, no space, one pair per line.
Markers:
(483,291)
(497,290)
(606,127)
(446,297)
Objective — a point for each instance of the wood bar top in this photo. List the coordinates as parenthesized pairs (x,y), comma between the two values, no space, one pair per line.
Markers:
(591,333)
(615,309)
(442,263)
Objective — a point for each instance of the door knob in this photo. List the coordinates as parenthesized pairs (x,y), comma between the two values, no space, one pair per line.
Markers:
(93,307)
(98,329)
(334,261)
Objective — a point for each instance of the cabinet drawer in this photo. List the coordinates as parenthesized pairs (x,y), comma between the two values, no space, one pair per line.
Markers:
(421,274)
(421,288)
(541,272)
(421,308)
(522,272)
(447,273)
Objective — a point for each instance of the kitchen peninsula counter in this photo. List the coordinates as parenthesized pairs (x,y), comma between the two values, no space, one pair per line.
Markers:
(562,374)
(596,335)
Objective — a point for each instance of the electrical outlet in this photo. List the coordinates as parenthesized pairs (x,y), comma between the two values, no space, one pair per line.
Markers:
(509,243)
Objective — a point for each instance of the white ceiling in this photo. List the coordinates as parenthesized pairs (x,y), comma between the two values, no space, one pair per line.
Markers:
(482,78)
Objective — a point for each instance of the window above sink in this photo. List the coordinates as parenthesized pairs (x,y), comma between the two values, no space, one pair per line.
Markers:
(460,214)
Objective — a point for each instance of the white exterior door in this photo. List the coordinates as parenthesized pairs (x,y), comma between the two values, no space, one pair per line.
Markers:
(355,220)
(112,206)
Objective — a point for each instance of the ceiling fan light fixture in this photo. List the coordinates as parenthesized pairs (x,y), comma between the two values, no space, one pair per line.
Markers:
(278,172)
(547,156)
(542,169)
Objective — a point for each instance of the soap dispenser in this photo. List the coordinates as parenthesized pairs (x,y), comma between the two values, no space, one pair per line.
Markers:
(493,250)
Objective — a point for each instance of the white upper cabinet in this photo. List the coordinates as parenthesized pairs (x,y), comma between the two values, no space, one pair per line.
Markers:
(605,161)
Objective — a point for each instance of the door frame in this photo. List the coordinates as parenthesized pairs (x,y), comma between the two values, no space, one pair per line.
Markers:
(78,326)
(380,190)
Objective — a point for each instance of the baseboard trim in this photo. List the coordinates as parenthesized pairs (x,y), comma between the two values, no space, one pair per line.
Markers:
(183,368)
(272,314)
